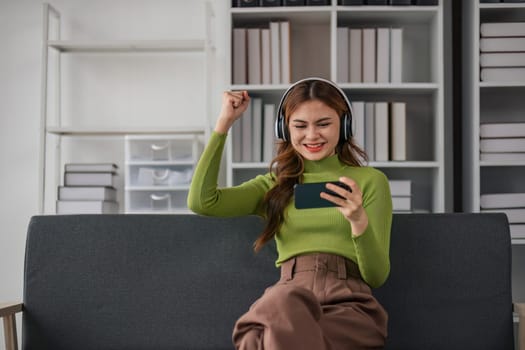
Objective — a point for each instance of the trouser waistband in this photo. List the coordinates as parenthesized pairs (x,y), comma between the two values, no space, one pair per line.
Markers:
(320,261)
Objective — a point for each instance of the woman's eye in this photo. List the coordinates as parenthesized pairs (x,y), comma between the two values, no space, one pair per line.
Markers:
(323,124)
(299,126)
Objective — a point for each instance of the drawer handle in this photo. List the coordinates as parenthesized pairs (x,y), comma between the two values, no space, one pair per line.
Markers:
(157,197)
(156,147)
(159,175)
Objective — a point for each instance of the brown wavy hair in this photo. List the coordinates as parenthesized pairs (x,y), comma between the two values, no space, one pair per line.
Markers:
(288,166)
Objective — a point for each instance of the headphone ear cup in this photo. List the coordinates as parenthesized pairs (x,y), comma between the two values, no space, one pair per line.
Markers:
(280,128)
(346,128)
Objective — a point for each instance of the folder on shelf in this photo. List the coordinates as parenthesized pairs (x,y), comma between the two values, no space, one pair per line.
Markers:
(382,131)
(383,55)
(356,55)
(254,56)
(239,56)
(342,54)
(369,55)
(398,131)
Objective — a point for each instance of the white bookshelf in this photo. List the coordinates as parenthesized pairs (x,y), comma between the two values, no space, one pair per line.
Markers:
(314,53)
(485,102)
(146,67)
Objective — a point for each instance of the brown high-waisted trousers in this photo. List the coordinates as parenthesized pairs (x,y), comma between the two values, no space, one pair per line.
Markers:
(320,303)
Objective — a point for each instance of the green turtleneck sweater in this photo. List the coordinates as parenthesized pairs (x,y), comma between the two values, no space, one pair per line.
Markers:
(304,231)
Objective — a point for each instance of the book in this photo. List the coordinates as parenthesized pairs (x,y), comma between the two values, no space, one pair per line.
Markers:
(356,55)
(256,129)
(246,133)
(502,29)
(383,55)
(400,187)
(502,59)
(382,138)
(239,56)
(502,145)
(87,193)
(517,231)
(502,44)
(284,29)
(514,215)
(499,130)
(396,55)
(91,167)
(401,203)
(86,207)
(275,50)
(268,134)
(358,120)
(502,200)
(398,131)
(254,56)
(237,140)
(89,179)
(370,130)
(342,54)
(266,57)
(369,55)
(502,157)
(515,74)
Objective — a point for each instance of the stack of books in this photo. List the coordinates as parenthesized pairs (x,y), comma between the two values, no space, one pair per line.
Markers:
(380,128)
(369,55)
(88,189)
(253,134)
(502,142)
(270,3)
(401,191)
(502,57)
(262,55)
(512,204)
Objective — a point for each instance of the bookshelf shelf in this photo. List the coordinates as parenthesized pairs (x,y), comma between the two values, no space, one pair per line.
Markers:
(421,85)
(128,46)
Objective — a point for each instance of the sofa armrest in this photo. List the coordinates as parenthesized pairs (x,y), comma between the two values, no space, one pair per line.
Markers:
(519,308)
(7,313)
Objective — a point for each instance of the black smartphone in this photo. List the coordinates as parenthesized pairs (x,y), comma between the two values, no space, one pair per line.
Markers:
(308,195)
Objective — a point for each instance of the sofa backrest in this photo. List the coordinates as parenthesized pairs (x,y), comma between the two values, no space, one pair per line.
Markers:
(450,283)
(140,281)
(180,282)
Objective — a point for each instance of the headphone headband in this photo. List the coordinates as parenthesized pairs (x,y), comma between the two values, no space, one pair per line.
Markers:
(281,131)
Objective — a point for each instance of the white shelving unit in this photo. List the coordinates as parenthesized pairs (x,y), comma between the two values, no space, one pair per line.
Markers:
(485,102)
(314,53)
(107,140)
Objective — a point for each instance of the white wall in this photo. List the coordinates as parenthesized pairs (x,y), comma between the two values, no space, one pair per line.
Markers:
(20,78)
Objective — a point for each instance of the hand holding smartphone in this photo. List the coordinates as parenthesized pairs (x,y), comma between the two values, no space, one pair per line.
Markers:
(308,195)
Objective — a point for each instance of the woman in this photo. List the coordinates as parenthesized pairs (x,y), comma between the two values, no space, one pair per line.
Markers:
(329,257)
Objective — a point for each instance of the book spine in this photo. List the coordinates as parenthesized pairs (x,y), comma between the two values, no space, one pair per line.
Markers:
(398,131)
(239,56)
(383,55)
(342,54)
(266,56)
(396,55)
(254,56)
(285,53)
(257,130)
(381,132)
(356,56)
(275,43)
(369,55)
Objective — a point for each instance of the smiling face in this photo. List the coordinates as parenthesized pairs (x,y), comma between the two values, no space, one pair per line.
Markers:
(314,129)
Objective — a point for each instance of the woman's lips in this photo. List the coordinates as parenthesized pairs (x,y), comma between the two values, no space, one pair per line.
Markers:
(314,147)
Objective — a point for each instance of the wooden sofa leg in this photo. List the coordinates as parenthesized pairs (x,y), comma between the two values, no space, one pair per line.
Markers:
(11,340)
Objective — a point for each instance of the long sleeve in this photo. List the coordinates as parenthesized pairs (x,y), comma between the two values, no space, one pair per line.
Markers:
(373,246)
(206,198)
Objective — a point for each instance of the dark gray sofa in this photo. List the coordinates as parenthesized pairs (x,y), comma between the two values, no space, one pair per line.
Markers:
(180,282)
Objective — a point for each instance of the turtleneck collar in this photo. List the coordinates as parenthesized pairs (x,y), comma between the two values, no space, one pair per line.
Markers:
(327,164)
